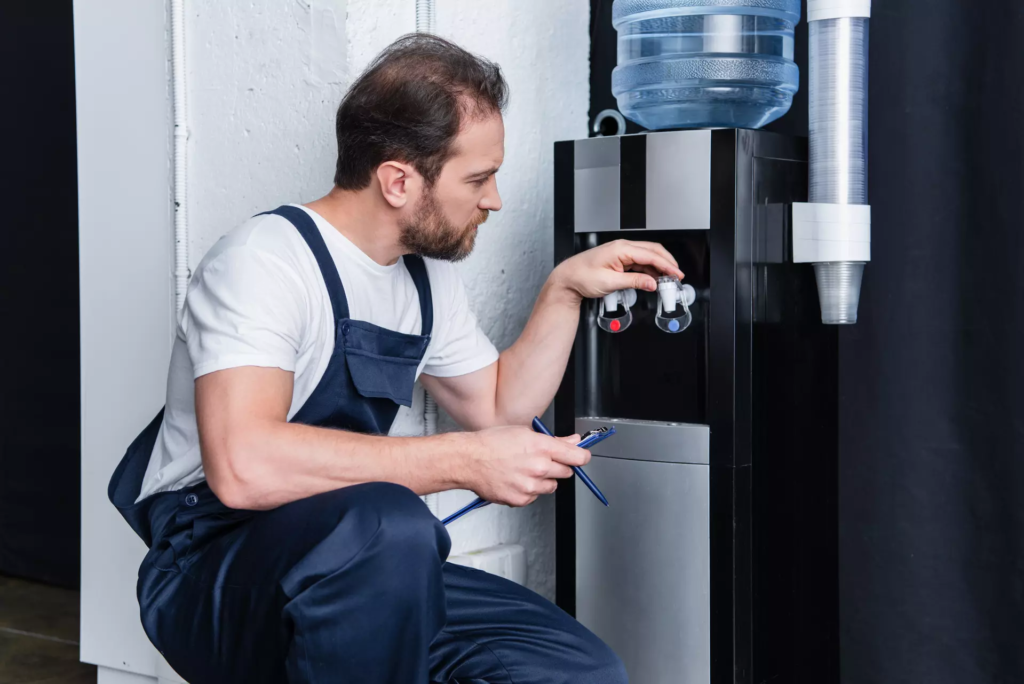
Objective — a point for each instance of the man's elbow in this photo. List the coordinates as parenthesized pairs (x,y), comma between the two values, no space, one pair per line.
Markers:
(231,478)
(230,492)
(511,414)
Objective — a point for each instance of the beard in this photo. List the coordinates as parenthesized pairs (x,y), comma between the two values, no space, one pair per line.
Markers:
(431,234)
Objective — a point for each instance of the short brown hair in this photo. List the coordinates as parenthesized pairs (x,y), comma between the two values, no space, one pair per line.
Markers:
(408,106)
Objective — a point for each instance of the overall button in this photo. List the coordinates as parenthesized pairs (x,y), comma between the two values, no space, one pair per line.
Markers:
(191,500)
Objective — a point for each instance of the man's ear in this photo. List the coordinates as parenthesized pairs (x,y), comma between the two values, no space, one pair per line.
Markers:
(397,182)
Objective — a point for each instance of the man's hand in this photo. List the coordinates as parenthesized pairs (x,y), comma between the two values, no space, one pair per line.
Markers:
(617,265)
(514,465)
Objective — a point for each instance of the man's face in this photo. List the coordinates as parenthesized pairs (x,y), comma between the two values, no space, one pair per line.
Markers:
(444,222)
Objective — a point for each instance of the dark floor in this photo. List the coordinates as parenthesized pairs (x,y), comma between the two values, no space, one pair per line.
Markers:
(39,635)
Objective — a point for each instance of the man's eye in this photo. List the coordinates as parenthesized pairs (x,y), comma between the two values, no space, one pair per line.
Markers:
(479,182)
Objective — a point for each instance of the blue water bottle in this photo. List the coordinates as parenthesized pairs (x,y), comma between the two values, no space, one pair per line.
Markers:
(705,63)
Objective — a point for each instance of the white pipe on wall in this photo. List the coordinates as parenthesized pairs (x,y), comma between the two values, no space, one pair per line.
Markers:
(430,414)
(430,428)
(424,16)
(180,113)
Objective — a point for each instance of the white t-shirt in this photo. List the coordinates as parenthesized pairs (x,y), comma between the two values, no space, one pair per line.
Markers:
(258,299)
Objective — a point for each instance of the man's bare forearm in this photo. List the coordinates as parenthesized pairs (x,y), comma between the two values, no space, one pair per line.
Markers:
(530,371)
(276,463)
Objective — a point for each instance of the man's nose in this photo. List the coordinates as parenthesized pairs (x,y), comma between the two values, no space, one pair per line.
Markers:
(491,200)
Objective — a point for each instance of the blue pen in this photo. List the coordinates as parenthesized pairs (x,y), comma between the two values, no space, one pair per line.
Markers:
(590,439)
(479,503)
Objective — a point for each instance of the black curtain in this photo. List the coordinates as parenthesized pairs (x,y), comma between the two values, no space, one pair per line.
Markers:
(932,378)
(39,337)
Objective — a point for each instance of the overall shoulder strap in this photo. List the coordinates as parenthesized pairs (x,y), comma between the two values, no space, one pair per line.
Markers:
(311,234)
(418,270)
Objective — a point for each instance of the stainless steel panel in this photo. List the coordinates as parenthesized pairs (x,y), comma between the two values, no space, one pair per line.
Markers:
(596,185)
(647,440)
(643,568)
(593,153)
(679,180)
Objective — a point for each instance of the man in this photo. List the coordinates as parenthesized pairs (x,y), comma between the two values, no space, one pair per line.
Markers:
(287,539)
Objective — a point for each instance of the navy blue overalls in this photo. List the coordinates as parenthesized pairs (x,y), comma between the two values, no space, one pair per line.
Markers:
(350,585)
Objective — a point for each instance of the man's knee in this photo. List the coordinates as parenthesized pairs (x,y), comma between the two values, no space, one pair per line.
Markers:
(406,531)
(376,533)
(398,508)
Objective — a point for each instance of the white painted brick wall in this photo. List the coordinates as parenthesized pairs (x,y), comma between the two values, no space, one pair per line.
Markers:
(264,83)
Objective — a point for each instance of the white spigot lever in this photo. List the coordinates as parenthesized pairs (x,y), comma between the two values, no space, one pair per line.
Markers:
(671,295)
(610,304)
(611,301)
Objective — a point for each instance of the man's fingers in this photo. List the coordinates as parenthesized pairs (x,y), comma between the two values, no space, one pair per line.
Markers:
(559,471)
(634,280)
(571,456)
(649,270)
(656,247)
(646,257)
(636,249)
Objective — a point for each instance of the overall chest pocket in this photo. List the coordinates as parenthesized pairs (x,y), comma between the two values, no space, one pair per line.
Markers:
(382,363)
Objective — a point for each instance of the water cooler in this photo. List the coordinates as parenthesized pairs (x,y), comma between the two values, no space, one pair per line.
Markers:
(717,561)
(717,558)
